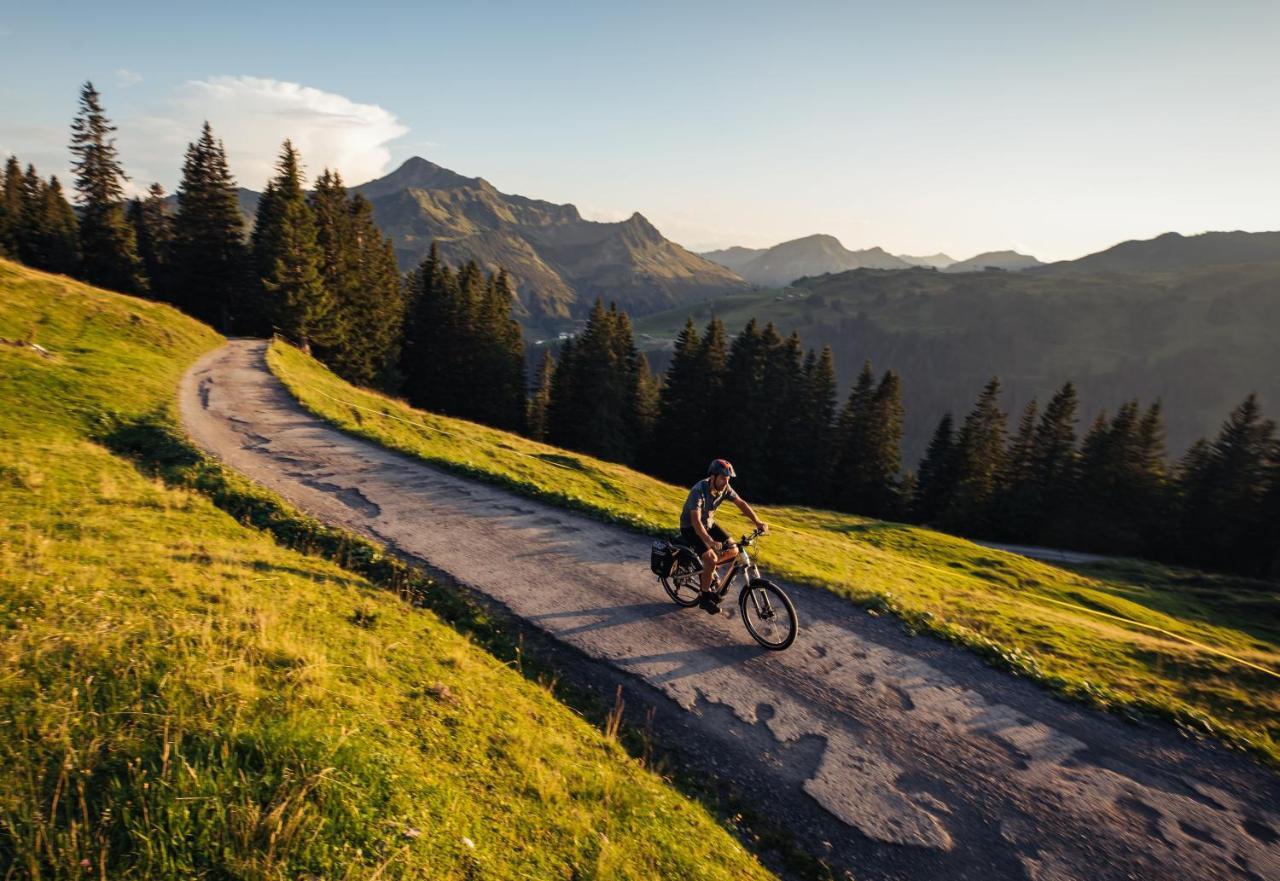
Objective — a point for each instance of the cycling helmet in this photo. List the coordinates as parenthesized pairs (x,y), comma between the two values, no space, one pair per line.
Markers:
(721,466)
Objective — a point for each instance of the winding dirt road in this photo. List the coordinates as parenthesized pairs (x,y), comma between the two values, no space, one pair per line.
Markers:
(890,756)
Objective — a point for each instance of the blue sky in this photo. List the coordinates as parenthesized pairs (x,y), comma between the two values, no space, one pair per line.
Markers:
(1055,129)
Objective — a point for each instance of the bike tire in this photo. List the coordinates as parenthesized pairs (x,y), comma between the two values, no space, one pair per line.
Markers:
(682,585)
(760,603)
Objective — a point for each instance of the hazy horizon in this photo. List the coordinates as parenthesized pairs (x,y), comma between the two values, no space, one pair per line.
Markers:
(921,129)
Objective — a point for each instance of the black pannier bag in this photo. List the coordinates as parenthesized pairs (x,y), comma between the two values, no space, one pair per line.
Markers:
(662,558)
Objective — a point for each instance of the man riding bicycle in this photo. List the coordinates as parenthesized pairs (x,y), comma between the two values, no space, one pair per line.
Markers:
(698,528)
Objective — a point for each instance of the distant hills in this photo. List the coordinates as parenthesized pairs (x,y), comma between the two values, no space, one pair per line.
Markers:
(812,255)
(559,261)
(1008,261)
(1172,252)
(816,255)
(1188,320)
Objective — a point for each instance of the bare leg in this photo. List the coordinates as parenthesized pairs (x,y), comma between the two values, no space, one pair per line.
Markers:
(710,562)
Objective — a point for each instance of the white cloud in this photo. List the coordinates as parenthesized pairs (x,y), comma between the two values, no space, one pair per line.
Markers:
(126,78)
(253,116)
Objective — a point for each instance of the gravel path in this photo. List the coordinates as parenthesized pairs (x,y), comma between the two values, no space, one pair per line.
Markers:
(887,755)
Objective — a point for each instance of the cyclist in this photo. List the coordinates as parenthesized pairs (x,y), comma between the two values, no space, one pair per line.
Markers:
(699,531)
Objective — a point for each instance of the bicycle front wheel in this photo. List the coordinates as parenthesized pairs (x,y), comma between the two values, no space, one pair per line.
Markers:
(769,615)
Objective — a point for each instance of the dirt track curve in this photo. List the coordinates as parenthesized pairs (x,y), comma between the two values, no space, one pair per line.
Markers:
(890,756)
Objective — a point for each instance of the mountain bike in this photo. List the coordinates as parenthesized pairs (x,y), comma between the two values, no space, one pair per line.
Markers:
(768,613)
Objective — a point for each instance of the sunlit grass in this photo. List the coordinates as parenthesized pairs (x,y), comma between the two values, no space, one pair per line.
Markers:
(1036,619)
(182,697)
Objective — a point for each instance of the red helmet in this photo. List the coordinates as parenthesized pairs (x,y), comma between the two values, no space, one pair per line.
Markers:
(721,466)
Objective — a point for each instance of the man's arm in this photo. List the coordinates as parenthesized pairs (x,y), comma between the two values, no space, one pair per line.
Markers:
(746,509)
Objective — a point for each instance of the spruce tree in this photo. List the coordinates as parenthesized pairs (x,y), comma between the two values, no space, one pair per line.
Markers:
(852,443)
(709,430)
(153,229)
(817,451)
(540,400)
(288,258)
(434,340)
(682,406)
(108,250)
(1016,492)
(744,440)
(62,229)
(866,479)
(11,192)
(979,459)
(936,481)
(1224,491)
(500,399)
(786,420)
(211,278)
(1055,469)
(598,395)
(32,234)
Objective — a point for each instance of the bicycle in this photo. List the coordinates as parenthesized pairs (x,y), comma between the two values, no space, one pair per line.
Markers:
(767,612)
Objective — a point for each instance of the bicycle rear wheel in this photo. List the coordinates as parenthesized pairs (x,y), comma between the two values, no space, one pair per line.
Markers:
(769,615)
(684,585)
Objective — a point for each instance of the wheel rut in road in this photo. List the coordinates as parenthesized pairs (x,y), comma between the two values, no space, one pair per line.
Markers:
(888,755)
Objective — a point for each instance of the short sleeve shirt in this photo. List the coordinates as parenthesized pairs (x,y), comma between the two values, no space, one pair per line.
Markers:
(702,503)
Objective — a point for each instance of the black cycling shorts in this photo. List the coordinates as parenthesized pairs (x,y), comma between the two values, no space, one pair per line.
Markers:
(693,540)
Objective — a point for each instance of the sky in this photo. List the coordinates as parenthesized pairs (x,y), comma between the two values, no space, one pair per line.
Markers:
(1050,128)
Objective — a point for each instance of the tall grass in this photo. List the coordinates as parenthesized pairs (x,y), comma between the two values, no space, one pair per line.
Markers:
(183,697)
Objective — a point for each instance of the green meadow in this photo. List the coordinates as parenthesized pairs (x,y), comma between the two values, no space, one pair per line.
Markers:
(1198,649)
(181,696)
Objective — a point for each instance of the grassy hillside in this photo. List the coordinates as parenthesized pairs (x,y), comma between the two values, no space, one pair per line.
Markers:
(1199,339)
(182,697)
(1130,636)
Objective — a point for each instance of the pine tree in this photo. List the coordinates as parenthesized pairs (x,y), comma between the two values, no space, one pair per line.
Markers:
(597,392)
(108,250)
(866,479)
(153,229)
(745,438)
(32,235)
(498,340)
(210,274)
(1055,469)
(708,433)
(682,406)
(979,458)
(936,481)
(62,229)
(1016,491)
(11,193)
(1149,484)
(852,442)
(817,448)
(288,258)
(540,400)
(434,335)
(1224,490)
(786,420)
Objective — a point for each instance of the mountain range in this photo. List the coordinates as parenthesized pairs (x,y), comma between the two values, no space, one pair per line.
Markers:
(560,262)
(816,255)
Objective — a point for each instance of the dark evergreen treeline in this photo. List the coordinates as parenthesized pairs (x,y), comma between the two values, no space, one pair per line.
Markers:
(316,269)
(1113,491)
(463,352)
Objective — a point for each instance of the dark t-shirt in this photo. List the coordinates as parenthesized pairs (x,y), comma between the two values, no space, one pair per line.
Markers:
(702,503)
